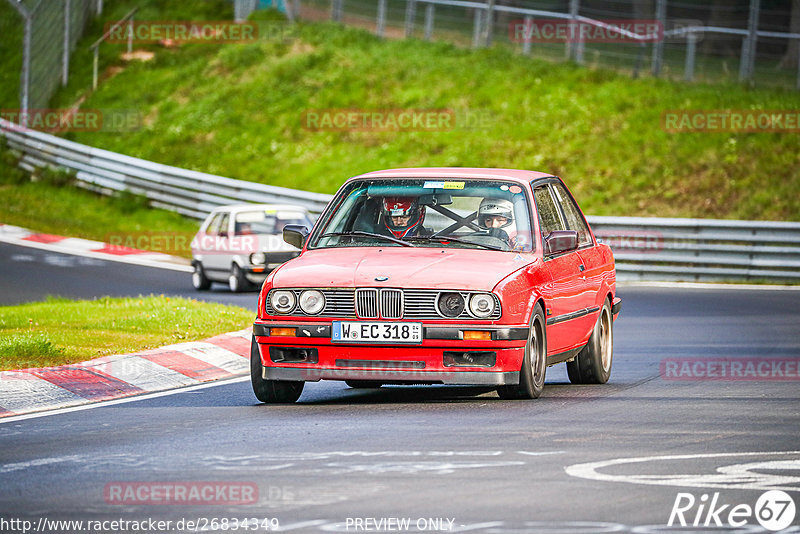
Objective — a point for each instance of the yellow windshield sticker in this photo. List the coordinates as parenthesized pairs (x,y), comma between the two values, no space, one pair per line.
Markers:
(453,185)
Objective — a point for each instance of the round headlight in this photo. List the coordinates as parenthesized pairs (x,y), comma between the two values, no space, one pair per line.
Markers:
(282,301)
(481,305)
(258,258)
(312,301)
(451,304)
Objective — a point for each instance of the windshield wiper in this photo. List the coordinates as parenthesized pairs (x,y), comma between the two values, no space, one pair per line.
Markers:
(368,234)
(455,240)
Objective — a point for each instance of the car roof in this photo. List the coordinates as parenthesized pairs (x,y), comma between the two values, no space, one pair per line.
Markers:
(456,172)
(253,207)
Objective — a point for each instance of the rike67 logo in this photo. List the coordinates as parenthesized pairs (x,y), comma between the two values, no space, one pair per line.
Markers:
(774,510)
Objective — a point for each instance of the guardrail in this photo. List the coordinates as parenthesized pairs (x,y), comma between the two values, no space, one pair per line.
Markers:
(646,248)
(187,192)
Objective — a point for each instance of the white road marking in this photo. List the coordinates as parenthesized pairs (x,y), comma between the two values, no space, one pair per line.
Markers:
(103,404)
(733,476)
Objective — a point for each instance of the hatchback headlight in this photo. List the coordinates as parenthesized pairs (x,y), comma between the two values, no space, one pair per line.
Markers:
(258,258)
(312,301)
(282,301)
(481,305)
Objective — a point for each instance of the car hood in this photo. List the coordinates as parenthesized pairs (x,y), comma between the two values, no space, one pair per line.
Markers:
(425,268)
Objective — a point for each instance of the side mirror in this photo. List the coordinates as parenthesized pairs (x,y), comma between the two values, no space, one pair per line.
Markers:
(560,241)
(295,235)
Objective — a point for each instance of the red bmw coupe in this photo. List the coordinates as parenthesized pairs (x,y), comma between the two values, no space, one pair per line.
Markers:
(439,276)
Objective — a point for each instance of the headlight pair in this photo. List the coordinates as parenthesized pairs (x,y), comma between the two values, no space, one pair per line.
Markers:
(452,304)
(311,301)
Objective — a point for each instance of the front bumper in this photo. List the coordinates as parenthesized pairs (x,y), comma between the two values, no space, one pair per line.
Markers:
(444,356)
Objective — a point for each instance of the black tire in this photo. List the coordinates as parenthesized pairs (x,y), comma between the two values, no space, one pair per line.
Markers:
(363,384)
(271,391)
(592,365)
(237,281)
(199,280)
(534,363)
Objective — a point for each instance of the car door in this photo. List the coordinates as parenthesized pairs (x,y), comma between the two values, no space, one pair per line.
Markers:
(592,265)
(564,294)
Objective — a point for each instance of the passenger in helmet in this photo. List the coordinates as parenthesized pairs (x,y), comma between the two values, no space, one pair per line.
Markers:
(494,214)
(402,217)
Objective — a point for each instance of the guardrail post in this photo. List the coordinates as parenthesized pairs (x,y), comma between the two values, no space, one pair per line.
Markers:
(527,23)
(658,45)
(477,27)
(336,10)
(381,22)
(411,15)
(429,12)
(798,72)
(746,65)
(691,50)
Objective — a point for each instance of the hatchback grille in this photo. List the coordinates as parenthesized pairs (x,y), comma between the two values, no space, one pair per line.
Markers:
(391,303)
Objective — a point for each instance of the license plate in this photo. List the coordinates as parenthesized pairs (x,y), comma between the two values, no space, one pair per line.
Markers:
(368,332)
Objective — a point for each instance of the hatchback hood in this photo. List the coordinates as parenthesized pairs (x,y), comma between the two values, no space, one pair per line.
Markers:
(423,268)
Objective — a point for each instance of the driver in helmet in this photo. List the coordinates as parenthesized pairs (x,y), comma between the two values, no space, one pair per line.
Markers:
(402,217)
(494,214)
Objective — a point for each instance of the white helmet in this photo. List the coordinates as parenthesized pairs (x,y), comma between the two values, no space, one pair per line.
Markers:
(495,207)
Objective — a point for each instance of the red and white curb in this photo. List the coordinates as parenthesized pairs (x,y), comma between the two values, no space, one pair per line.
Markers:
(16,235)
(125,375)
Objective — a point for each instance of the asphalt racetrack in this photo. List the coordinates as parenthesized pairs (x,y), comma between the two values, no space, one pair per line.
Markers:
(666,432)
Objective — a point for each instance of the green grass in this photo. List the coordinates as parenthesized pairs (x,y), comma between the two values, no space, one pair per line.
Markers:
(236,110)
(61,331)
(51,205)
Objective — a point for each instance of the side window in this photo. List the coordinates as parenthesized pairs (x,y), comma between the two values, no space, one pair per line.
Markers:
(213,225)
(223,225)
(549,218)
(575,220)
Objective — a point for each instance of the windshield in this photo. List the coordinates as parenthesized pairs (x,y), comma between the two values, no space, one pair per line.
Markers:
(453,213)
(269,221)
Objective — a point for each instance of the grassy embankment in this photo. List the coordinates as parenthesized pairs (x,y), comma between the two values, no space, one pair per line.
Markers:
(60,331)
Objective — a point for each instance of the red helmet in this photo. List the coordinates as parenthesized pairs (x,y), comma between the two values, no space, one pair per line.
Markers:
(402,207)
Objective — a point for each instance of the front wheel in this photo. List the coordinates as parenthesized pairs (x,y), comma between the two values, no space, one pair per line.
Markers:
(271,391)
(199,280)
(237,281)
(593,364)
(534,363)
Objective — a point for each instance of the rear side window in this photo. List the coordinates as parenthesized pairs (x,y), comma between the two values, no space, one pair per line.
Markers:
(549,218)
(572,214)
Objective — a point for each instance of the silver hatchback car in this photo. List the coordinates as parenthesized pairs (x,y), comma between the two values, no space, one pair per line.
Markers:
(240,244)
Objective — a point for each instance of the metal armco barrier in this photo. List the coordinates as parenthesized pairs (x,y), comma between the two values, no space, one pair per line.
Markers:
(646,248)
(189,193)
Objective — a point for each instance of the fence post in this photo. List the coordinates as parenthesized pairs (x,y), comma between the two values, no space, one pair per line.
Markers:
(798,72)
(527,36)
(639,59)
(691,49)
(477,28)
(489,23)
(336,10)
(95,67)
(746,65)
(411,15)
(381,18)
(130,35)
(658,45)
(429,21)
(65,52)
(574,8)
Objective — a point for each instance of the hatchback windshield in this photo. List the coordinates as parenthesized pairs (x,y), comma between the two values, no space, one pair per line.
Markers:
(268,221)
(484,214)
